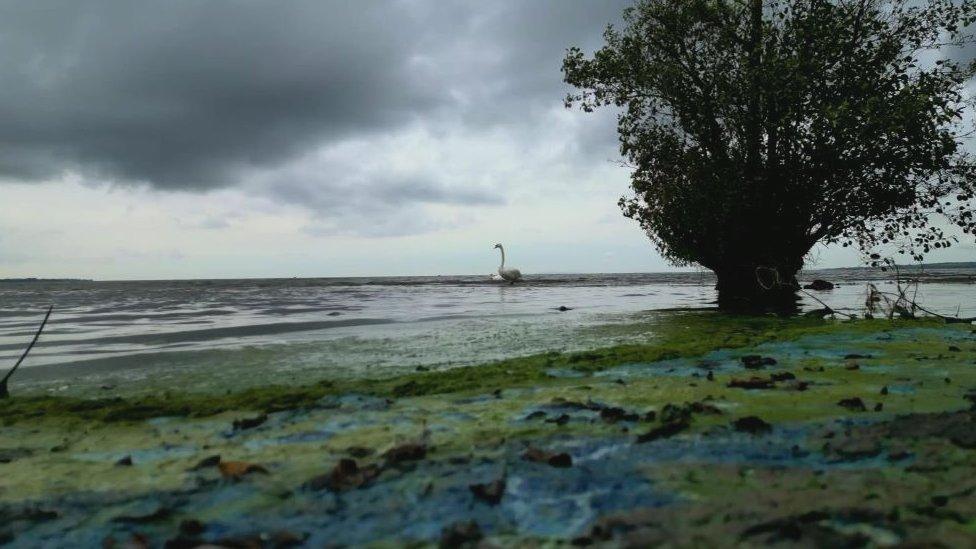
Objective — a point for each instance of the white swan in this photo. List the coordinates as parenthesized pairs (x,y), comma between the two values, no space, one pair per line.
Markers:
(511,275)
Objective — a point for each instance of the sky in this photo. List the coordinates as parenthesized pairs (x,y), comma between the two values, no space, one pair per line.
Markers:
(142,139)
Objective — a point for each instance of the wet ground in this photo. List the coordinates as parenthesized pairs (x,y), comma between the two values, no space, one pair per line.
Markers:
(721,433)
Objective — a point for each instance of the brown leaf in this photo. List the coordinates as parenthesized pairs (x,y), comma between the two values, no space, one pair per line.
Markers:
(237,470)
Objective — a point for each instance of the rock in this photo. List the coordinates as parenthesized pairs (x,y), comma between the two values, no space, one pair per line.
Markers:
(819,285)
(664,431)
(752,425)
(782,376)
(855,356)
(954,349)
(854,404)
(756,362)
(710,376)
(459,534)
(489,492)
(250,422)
(884,390)
(563,308)
(878,407)
(124,462)
(560,460)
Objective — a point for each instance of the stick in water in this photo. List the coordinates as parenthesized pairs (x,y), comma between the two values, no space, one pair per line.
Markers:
(4,393)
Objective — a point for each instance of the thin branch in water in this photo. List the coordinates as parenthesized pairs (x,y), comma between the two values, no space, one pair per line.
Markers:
(4,393)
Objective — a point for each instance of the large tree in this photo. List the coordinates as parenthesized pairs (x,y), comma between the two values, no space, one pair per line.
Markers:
(756,130)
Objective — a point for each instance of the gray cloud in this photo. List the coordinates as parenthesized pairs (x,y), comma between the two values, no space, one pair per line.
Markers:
(190,95)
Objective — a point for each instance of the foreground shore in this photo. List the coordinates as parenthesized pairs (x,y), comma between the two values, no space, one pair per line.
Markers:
(718,431)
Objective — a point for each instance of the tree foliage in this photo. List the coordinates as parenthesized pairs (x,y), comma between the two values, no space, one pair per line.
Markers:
(756,130)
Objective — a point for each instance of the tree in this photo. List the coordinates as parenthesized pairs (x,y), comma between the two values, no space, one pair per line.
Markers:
(756,130)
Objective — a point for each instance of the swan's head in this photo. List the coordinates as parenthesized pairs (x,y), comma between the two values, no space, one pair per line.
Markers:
(498,246)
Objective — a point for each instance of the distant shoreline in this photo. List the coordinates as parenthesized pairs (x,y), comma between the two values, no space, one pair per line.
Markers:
(913,268)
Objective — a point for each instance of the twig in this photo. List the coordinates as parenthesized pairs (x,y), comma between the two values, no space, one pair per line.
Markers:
(828,310)
(4,393)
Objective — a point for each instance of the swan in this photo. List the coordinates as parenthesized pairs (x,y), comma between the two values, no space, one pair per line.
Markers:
(511,275)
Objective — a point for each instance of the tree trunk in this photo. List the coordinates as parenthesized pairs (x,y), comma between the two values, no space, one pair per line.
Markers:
(752,287)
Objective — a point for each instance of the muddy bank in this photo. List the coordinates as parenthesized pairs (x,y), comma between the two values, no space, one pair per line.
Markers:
(719,432)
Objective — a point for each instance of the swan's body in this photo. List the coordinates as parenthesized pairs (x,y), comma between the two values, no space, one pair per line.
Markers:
(511,275)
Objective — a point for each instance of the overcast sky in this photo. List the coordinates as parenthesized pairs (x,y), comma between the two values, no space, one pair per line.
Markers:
(186,139)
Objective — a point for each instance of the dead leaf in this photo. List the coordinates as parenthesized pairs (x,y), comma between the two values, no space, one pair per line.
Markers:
(236,470)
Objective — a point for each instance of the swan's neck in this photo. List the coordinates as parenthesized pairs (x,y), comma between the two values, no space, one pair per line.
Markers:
(502,250)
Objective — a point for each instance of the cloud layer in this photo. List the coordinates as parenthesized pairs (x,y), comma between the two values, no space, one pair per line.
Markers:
(301,102)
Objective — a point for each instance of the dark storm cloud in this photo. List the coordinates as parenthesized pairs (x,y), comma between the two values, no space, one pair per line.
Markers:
(187,94)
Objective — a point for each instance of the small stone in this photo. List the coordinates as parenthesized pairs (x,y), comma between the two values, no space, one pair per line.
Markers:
(878,407)
(710,376)
(819,285)
(563,308)
(124,462)
(954,349)
(884,390)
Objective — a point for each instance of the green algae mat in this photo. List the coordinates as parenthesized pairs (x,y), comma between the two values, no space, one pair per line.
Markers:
(718,431)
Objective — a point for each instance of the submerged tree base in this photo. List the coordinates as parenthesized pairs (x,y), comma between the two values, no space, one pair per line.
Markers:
(756,290)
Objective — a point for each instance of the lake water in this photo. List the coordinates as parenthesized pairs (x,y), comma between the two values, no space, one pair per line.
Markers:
(222,332)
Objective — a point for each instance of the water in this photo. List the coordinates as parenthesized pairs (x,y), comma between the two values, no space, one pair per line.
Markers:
(220,332)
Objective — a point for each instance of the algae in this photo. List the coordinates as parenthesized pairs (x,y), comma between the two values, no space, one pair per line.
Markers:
(747,465)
